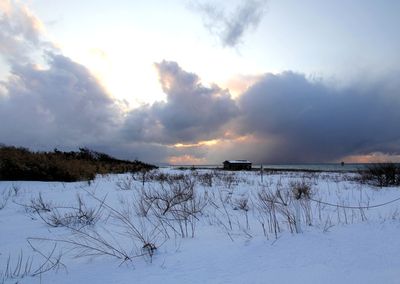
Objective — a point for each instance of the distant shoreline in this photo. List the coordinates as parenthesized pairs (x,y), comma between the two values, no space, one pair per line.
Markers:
(317,167)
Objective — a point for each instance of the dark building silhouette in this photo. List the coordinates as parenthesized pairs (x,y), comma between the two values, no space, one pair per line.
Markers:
(237,165)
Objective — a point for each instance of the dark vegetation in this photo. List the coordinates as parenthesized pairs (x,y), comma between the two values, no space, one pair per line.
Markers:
(23,164)
(382,174)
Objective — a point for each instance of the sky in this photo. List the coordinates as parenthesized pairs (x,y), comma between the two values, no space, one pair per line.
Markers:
(201,81)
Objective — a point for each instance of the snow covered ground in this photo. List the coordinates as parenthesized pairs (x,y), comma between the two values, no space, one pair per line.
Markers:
(201,226)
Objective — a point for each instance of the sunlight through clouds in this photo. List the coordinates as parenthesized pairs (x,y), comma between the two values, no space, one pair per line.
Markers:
(152,84)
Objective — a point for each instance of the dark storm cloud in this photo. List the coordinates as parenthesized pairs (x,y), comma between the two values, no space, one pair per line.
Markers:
(191,112)
(305,121)
(281,118)
(132,150)
(57,105)
(62,104)
(231,27)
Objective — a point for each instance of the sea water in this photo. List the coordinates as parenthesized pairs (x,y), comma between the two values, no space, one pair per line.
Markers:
(325,167)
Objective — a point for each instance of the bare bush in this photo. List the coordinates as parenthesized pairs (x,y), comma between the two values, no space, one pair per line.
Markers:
(149,249)
(242,204)
(382,174)
(126,182)
(284,200)
(39,205)
(267,206)
(78,216)
(220,203)
(167,199)
(142,204)
(6,194)
(4,197)
(22,266)
(278,206)
(225,179)
(302,192)
(89,241)
(174,204)
(161,177)
(205,179)
(301,189)
(230,180)
(143,175)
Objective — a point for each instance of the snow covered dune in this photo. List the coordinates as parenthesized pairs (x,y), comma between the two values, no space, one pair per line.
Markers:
(203,226)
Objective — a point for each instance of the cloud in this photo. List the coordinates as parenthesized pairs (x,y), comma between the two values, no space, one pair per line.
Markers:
(191,112)
(298,120)
(60,105)
(231,27)
(20,32)
(239,84)
(136,150)
(279,118)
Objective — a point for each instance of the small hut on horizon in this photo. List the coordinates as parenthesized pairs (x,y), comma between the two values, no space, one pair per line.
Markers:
(237,165)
